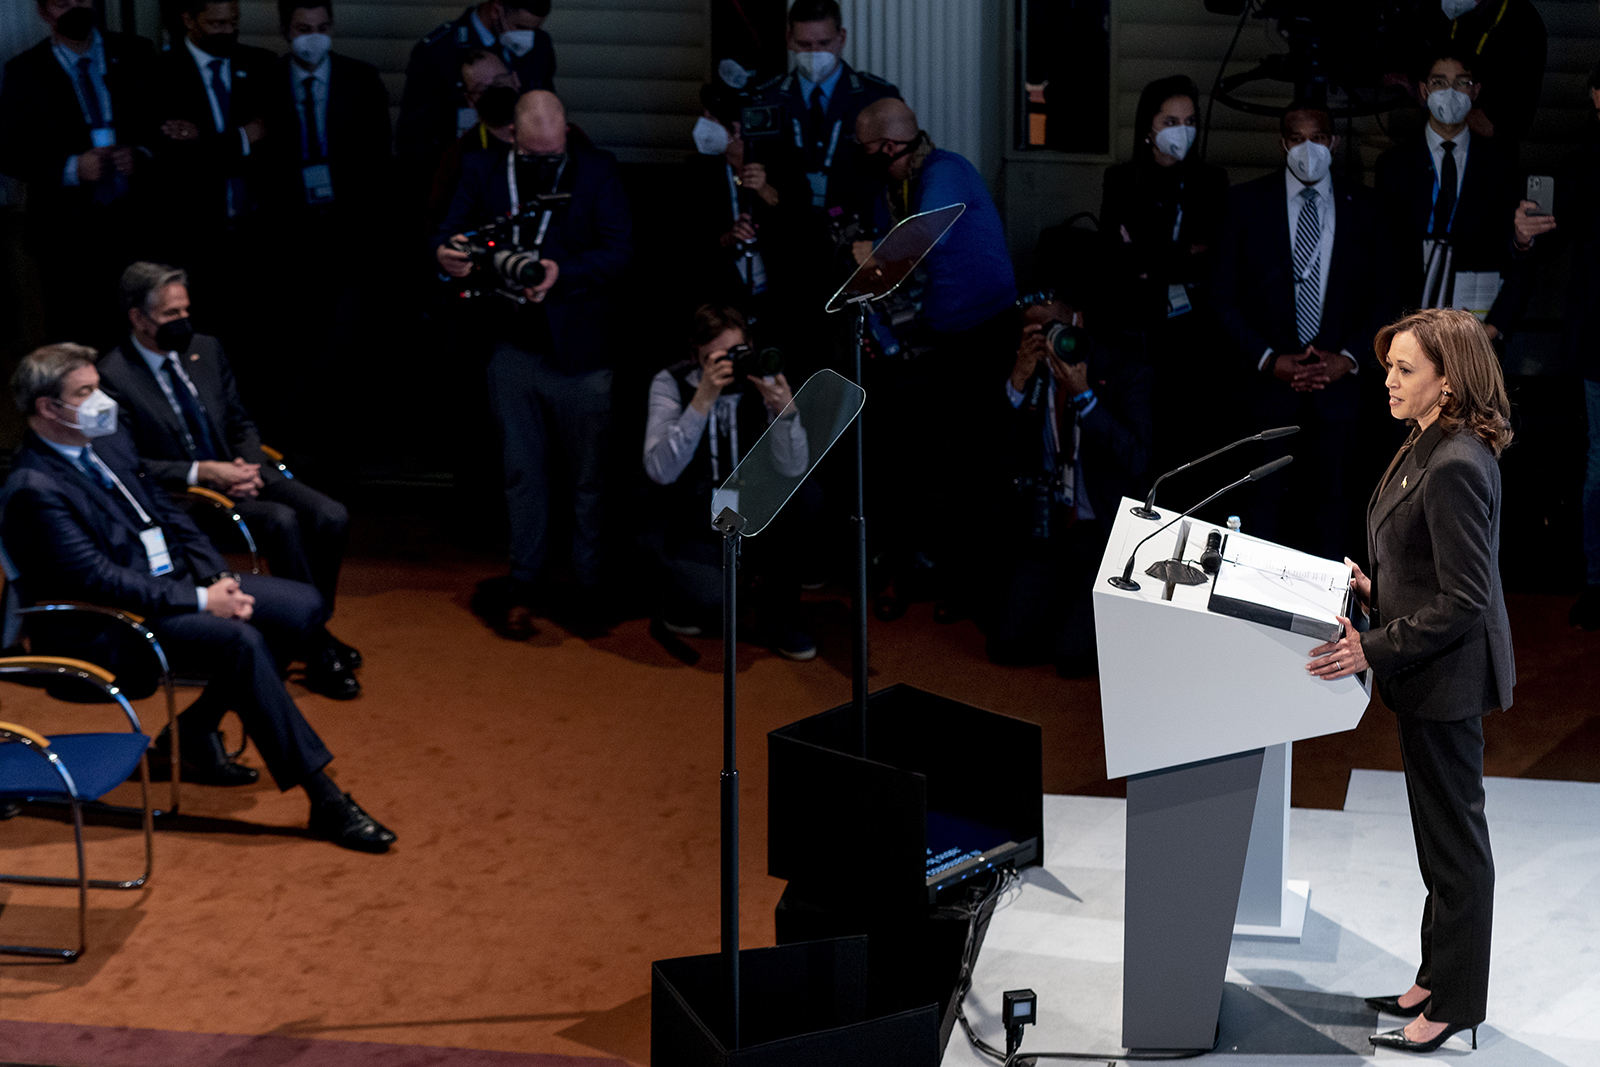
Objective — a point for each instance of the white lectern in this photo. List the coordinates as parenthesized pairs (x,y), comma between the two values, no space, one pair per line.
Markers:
(1190,701)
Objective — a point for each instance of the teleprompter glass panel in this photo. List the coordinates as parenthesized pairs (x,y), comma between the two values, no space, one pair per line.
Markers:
(790,450)
(896,256)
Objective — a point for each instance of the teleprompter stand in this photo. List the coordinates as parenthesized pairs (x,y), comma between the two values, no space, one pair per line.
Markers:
(798,1004)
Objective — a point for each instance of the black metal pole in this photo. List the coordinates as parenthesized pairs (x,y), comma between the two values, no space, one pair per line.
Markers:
(859,685)
(730,776)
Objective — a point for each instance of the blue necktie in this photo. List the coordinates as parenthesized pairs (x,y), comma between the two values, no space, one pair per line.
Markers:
(219,89)
(96,474)
(91,98)
(1308,269)
(197,427)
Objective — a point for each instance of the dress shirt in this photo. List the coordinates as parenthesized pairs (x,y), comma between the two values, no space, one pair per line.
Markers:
(829,84)
(1462,141)
(96,54)
(488,39)
(319,95)
(157,362)
(74,455)
(202,60)
(1328,213)
(1071,491)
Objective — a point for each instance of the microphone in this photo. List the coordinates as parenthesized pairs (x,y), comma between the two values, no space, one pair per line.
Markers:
(1211,558)
(1148,511)
(1125,579)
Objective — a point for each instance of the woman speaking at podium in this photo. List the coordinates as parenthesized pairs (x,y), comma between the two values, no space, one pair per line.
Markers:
(1439,645)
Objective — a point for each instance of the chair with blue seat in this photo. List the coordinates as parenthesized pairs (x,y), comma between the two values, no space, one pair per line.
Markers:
(74,768)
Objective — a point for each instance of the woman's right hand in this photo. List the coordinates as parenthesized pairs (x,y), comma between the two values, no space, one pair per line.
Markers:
(1360,582)
(714,377)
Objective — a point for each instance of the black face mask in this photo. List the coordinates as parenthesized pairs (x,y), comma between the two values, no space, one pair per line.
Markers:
(878,163)
(545,168)
(497,106)
(220,45)
(77,24)
(174,336)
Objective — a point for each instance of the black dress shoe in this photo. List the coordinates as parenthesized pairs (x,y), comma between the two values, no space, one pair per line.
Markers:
(349,656)
(1391,1005)
(328,675)
(344,823)
(1397,1039)
(204,762)
(504,603)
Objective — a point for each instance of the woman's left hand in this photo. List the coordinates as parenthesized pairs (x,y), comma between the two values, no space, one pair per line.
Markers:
(775,393)
(1338,659)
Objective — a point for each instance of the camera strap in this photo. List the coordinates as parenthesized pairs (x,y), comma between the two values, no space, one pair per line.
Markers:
(516,197)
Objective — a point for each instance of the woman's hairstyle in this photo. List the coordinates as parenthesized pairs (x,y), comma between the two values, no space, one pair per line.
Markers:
(1155,94)
(713,320)
(1456,345)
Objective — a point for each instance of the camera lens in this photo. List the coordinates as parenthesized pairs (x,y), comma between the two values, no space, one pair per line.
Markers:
(521,269)
(1069,343)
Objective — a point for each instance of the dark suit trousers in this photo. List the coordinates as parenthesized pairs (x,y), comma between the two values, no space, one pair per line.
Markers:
(242,662)
(1444,783)
(301,532)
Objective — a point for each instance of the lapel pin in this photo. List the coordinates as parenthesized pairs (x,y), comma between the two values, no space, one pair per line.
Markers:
(194,357)
(1404,481)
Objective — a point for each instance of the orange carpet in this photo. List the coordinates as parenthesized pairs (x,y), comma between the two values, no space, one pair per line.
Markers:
(557,810)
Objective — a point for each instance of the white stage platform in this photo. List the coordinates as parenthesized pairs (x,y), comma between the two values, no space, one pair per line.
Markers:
(1300,1004)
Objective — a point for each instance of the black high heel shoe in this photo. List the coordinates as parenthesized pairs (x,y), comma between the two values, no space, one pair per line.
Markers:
(1397,1039)
(1391,1005)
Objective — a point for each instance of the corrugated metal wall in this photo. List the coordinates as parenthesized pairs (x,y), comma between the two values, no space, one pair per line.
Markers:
(932,50)
(1160,37)
(629,70)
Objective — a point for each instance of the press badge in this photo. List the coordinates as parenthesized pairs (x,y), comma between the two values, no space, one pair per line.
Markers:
(318,179)
(1178,301)
(466,118)
(155,549)
(103,137)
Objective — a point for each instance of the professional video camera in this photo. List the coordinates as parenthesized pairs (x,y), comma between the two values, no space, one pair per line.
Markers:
(747,361)
(1339,52)
(501,251)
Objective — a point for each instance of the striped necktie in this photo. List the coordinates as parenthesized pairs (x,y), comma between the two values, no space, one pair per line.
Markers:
(1308,268)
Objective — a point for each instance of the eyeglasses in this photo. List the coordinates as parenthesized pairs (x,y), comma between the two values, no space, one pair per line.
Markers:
(1463,84)
(883,144)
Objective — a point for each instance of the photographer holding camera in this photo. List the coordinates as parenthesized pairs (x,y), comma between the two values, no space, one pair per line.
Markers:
(549,297)
(1077,440)
(705,413)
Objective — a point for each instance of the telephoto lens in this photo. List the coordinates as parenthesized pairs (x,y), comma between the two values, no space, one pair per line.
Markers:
(520,269)
(1069,343)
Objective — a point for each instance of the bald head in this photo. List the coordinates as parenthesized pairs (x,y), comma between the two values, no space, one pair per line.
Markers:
(541,123)
(889,119)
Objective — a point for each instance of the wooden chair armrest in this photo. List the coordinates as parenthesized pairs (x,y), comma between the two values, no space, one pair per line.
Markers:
(78,605)
(272,453)
(212,496)
(59,661)
(23,731)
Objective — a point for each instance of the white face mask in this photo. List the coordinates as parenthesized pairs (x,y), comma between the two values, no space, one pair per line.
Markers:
(311,48)
(1454,9)
(517,42)
(1449,106)
(1310,161)
(1175,141)
(710,136)
(97,415)
(815,67)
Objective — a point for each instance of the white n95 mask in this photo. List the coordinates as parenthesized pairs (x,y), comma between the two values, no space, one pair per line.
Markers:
(517,42)
(96,416)
(1449,106)
(311,48)
(1310,161)
(1176,141)
(815,67)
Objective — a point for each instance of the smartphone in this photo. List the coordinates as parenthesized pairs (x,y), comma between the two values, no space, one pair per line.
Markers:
(1542,191)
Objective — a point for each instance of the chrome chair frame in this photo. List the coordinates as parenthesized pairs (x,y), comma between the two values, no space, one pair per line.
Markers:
(11,732)
(226,503)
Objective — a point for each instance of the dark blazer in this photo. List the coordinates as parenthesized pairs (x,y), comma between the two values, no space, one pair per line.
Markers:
(1253,287)
(432,93)
(1115,437)
(1144,199)
(155,429)
(358,136)
(1481,235)
(195,173)
(73,540)
(42,125)
(1440,640)
(591,240)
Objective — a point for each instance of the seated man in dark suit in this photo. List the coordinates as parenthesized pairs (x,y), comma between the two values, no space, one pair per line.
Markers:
(1452,195)
(83,522)
(1302,284)
(1075,440)
(182,409)
(75,125)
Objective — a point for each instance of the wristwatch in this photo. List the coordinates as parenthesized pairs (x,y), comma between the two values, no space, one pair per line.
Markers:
(219,576)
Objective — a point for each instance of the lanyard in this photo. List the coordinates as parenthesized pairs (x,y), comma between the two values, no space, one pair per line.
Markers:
(833,141)
(731,417)
(144,516)
(516,199)
(733,191)
(1493,26)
